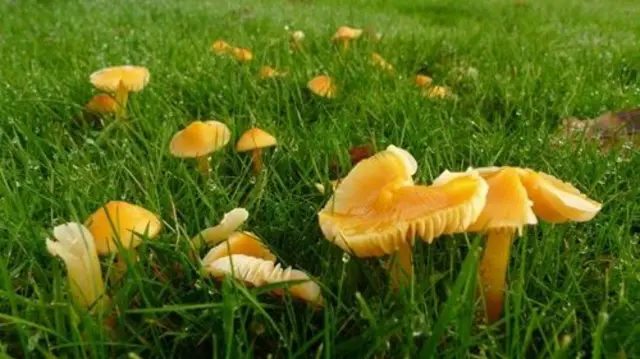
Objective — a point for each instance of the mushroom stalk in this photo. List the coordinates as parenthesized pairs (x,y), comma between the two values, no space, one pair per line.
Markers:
(203,165)
(493,271)
(122,96)
(256,161)
(401,267)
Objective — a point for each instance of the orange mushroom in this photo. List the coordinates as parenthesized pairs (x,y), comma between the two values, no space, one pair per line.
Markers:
(377,60)
(220,47)
(268,72)
(198,140)
(322,86)
(516,198)
(230,222)
(102,104)
(242,54)
(121,80)
(378,210)
(423,80)
(254,140)
(436,92)
(245,243)
(346,34)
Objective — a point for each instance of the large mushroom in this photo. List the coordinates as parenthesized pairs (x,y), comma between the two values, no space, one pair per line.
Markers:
(346,34)
(377,209)
(517,197)
(121,80)
(254,140)
(198,140)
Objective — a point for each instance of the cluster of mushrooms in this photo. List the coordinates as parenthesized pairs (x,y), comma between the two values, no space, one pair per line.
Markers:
(376,210)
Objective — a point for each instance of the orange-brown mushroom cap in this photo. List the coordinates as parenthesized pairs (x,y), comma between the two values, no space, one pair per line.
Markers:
(220,47)
(422,80)
(377,60)
(124,221)
(377,209)
(241,54)
(245,243)
(322,86)
(436,92)
(102,103)
(111,79)
(255,138)
(346,33)
(260,272)
(200,139)
(268,72)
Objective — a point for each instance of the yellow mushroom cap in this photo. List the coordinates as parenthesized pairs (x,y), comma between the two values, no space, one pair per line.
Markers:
(131,78)
(322,86)
(241,54)
(245,243)
(230,222)
(423,80)
(200,139)
(297,35)
(220,47)
(347,33)
(377,209)
(102,103)
(436,92)
(124,221)
(377,60)
(267,72)
(253,139)
(260,272)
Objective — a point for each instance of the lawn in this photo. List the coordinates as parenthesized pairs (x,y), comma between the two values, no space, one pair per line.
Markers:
(574,289)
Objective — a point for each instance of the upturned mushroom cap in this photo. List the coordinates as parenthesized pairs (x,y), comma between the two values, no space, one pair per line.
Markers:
(377,209)
(322,86)
(260,272)
(346,33)
(245,243)
(200,139)
(230,222)
(220,47)
(102,103)
(255,138)
(124,221)
(422,80)
(241,54)
(131,78)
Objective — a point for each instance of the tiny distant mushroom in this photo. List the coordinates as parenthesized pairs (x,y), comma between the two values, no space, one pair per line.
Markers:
(199,140)
(121,80)
(423,80)
(220,47)
(259,272)
(377,60)
(255,140)
(242,54)
(345,35)
(230,223)
(296,40)
(516,198)
(268,72)
(436,92)
(322,86)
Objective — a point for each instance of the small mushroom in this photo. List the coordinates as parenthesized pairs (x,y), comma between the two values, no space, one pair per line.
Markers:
(346,34)
(245,243)
(423,80)
(123,222)
(220,47)
(254,140)
(268,72)
(76,246)
(259,272)
(230,223)
(516,198)
(102,104)
(377,60)
(296,40)
(436,92)
(198,140)
(121,80)
(241,54)
(322,86)
(377,209)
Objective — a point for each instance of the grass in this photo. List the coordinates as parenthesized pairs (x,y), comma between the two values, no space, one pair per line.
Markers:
(574,289)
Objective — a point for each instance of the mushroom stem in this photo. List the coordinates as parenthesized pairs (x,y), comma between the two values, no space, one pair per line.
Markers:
(400,267)
(256,162)
(493,271)
(345,44)
(203,165)
(122,96)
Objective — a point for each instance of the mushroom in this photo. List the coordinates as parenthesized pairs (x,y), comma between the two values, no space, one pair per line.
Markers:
(296,39)
(220,47)
(423,80)
(268,72)
(76,246)
(345,34)
(241,54)
(198,140)
(123,222)
(436,92)
(121,80)
(377,209)
(322,86)
(254,140)
(377,60)
(259,272)
(245,243)
(230,222)
(516,198)
(102,104)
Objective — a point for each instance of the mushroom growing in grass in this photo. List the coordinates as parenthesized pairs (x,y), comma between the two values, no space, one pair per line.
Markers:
(377,60)
(516,198)
(102,104)
(123,222)
(422,80)
(346,34)
(121,80)
(268,72)
(254,140)
(322,86)
(220,47)
(199,140)
(245,243)
(241,54)
(378,210)
(436,92)
(296,40)
(230,222)
(76,246)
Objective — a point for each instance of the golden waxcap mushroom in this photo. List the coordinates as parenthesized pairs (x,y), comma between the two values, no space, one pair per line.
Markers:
(220,47)
(245,243)
(259,272)
(198,140)
(122,80)
(436,92)
(123,221)
(254,140)
(422,80)
(516,198)
(242,54)
(230,223)
(268,72)
(322,86)
(102,104)
(377,60)
(345,34)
